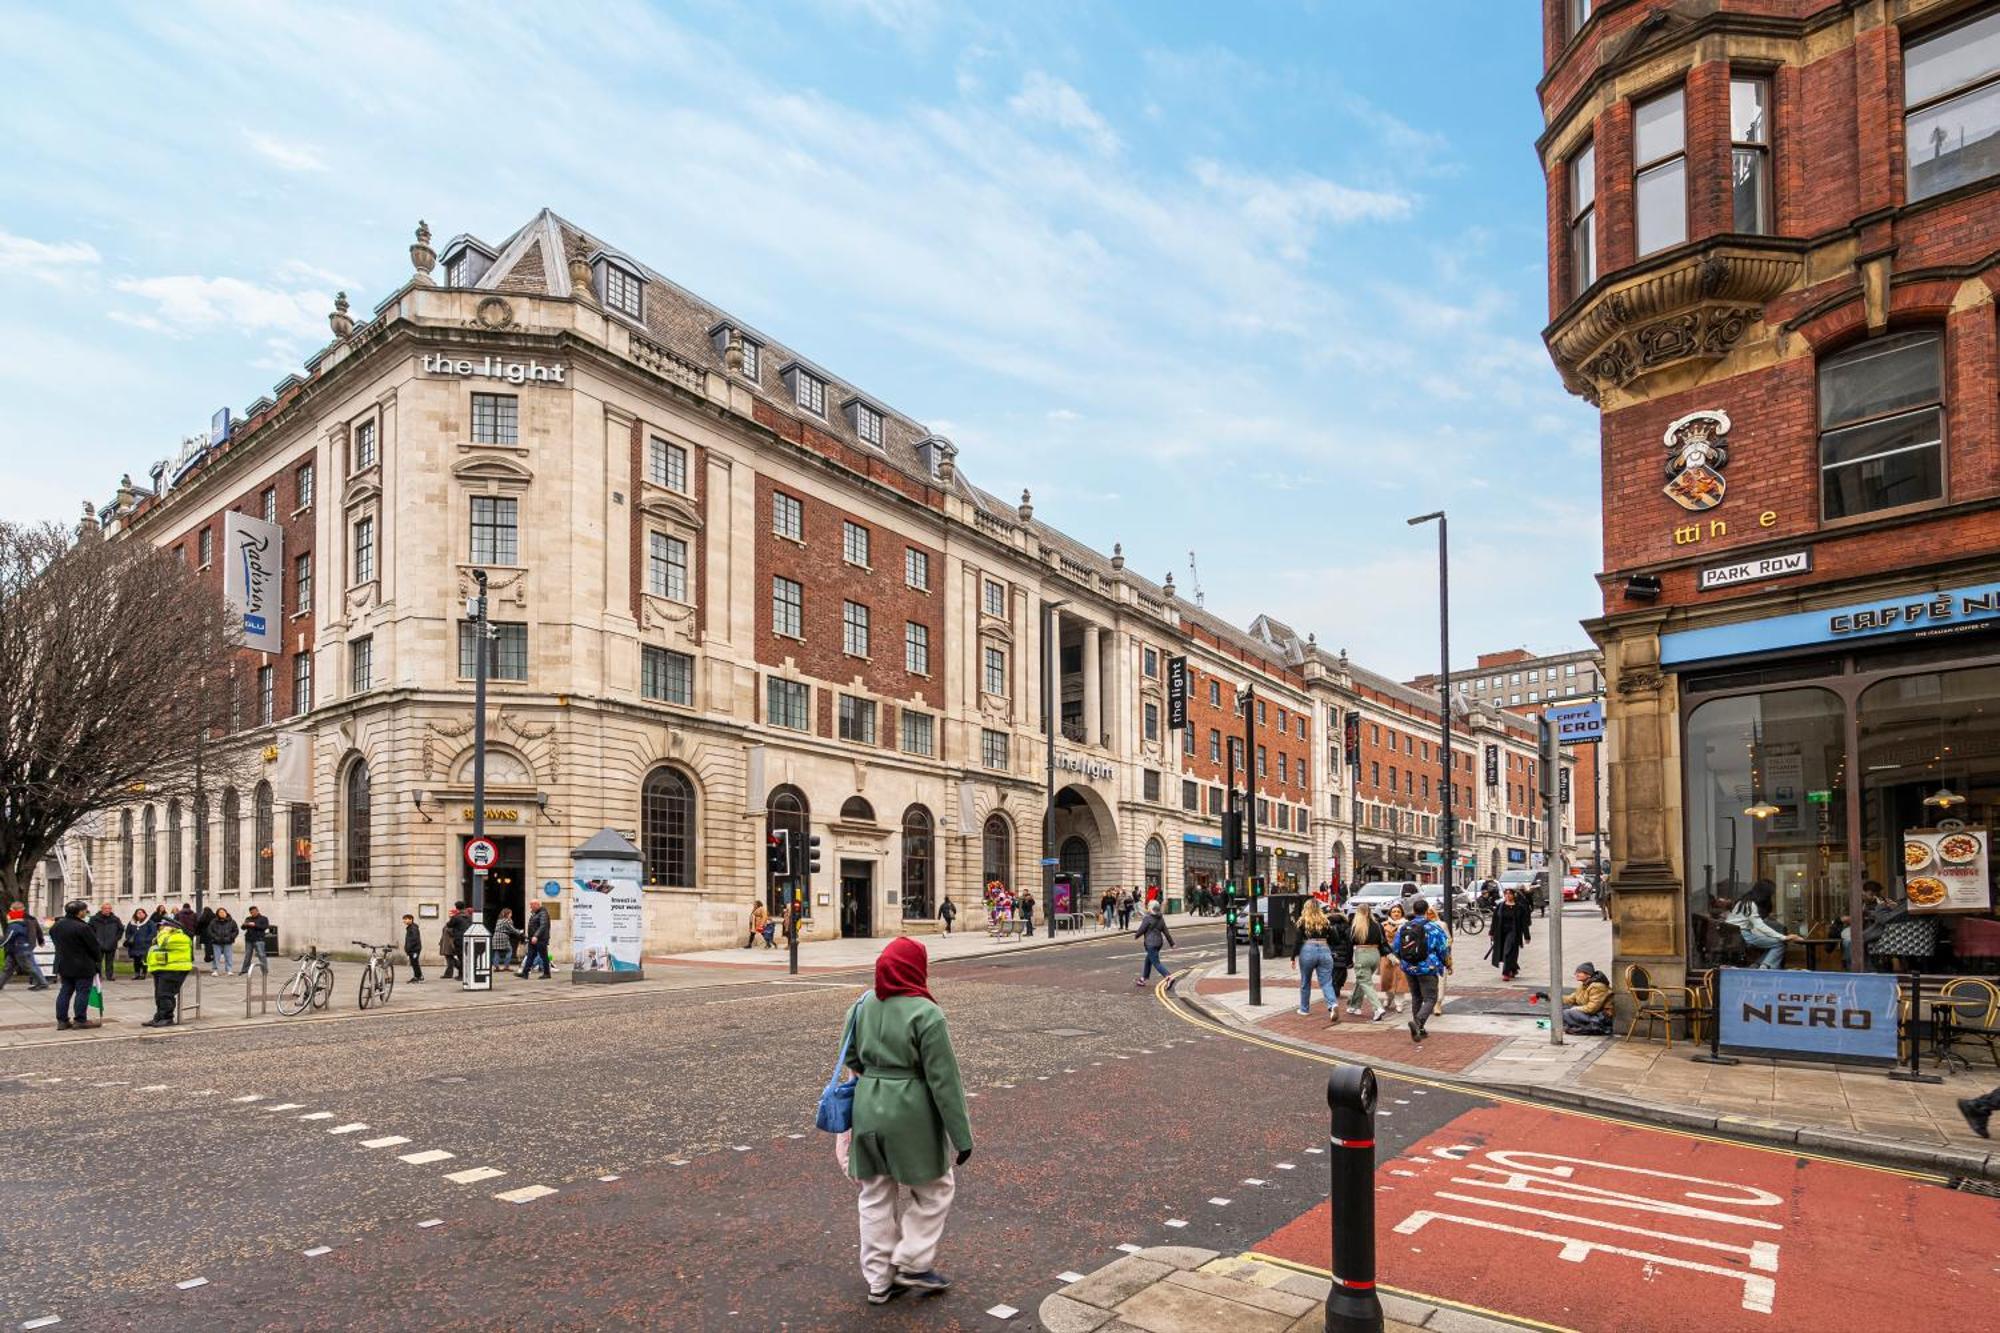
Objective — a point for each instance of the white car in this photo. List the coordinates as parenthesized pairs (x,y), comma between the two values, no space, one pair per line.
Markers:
(1382,895)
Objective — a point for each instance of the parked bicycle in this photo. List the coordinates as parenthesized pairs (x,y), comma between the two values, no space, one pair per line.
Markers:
(1467,918)
(378,977)
(310,987)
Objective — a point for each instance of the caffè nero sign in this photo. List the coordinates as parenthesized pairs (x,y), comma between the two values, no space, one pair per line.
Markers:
(530,371)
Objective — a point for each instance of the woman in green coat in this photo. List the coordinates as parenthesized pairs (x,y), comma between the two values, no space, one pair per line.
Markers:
(909,1117)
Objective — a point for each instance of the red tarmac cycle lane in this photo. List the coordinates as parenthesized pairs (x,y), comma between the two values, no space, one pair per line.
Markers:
(1589,1224)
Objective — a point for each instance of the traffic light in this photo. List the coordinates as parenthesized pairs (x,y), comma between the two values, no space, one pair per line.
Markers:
(812,855)
(778,856)
(1232,835)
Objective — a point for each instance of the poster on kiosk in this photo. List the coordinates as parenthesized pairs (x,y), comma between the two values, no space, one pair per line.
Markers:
(607,912)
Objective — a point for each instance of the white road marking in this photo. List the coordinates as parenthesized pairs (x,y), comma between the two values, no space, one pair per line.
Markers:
(280,1106)
(428,1223)
(1288,1166)
(43,1322)
(1129,1248)
(390,1141)
(1252,1180)
(739,1147)
(249,1097)
(608,1179)
(1002,1311)
(794,1136)
(202,1092)
(347,1129)
(426,1157)
(1220,1203)
(317,1115)
(1316,1151)
(192,1283)
(525,1194)
(681,1163)
(58,1079)
(1177,1222)
(317,1250)
(472,1174)
(153,1087)
(1069,1277)
(108,1083)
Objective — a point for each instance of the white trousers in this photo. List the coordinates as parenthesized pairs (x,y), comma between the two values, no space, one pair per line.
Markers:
(901,1226)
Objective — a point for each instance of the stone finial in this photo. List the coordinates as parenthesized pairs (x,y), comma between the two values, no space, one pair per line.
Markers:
(1118,555)
(1312,642)
(1027,505)
(732,355)
(422,258)
(124,493)
(340,321)
(87,525)
(1343,659)
(579,278)
(1168,586)
(947,461)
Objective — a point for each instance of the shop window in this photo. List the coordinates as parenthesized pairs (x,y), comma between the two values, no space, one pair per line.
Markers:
(1951,96)
(1766,805)
(1881,417)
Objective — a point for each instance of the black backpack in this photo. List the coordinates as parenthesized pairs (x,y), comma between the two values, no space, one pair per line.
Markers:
(1413,943)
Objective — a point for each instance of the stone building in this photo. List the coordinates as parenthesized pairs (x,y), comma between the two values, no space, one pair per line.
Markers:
(1774,245)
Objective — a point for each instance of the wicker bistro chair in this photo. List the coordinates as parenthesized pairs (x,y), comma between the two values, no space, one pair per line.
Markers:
(1975,1006)
(1660,1004)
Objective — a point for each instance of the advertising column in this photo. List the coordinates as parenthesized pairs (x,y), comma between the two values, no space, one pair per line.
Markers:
(607,911)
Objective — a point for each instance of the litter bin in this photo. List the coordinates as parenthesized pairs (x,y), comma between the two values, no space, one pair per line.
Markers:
(1281,925)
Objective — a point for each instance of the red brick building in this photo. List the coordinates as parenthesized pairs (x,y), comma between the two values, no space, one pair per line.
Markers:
(1774,246)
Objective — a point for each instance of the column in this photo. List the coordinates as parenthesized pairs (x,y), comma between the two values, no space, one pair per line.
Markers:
(1093,683)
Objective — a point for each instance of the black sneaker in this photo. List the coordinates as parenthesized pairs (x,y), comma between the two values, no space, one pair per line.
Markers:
(928,1280)
(1974,1117)
(884,1296)
(1416,1033)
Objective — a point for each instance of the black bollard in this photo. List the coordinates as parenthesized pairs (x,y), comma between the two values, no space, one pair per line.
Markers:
(1352,1305)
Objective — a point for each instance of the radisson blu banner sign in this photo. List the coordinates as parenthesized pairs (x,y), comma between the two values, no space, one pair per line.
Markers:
(253,560)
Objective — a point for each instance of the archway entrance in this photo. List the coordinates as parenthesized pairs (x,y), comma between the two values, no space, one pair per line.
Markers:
(1086,849)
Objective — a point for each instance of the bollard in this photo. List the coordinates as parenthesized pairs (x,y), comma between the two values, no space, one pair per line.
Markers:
(1352,1305)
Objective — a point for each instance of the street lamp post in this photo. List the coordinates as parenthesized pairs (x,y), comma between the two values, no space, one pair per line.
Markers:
(1444,702)
(1250,839)
(1051,706)
(475,965)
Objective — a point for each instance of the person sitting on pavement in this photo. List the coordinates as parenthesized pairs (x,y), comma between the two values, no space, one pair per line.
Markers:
(1979,1110)
(1587,1009)
(24,933)
(909,1113)
(109,931)
(1154,935)
(1422,950)
(169,962)
(78,957)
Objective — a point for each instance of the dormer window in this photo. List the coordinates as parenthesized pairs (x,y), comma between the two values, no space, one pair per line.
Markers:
(465,262)
(622,290)
(454,271)
(867,422)
(808,389)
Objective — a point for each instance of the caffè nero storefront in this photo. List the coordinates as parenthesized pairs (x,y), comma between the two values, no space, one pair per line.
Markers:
(1846,759)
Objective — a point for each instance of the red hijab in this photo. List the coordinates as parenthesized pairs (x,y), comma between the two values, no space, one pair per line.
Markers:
(902,969)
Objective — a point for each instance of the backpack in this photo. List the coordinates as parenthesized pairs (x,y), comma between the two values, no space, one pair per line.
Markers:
(1413,944)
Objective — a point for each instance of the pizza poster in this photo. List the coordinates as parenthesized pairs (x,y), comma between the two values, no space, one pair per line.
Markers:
(1944,870)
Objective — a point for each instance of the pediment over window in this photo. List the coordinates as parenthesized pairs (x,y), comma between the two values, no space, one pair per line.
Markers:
(665,506)
(360,492)
(490,469)
(995,631)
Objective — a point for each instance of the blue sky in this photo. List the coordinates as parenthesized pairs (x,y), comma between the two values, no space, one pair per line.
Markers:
(1255,279)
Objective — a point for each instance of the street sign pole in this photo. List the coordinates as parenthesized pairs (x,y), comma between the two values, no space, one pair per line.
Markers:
(477,942)
(1229,858)
(1552,861)
(1250,838)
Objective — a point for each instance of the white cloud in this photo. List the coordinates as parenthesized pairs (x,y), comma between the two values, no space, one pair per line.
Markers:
(1064,415)
(187,304)
(1049,100)
(55,262)
(1292,209)
(286,155)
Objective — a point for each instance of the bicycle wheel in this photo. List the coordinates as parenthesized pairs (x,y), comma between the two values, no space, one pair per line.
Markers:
(294,996)
(367,996)
(388,975)
(322,987)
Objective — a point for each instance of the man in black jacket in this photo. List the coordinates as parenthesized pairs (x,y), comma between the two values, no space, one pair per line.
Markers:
(454,941)
(77,958)
(538,942)
(109,930)
(256,940)
(413,947)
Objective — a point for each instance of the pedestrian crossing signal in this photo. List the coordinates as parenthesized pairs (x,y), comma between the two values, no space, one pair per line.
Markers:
(778,856)
(812,857)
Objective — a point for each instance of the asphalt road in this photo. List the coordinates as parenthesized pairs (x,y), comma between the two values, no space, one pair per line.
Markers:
(255,1160)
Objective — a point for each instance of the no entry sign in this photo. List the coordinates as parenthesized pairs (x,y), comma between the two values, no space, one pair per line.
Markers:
(480,853)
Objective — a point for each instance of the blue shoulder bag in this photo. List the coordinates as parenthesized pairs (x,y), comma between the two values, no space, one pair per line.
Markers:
(836,1099)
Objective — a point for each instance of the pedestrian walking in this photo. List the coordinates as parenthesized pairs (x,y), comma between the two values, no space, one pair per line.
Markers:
(1444,977)
(1026,902)
(909,1117)
(947,913)
(78,956)
(168,962)
(1586,1011)
(455,926)
(1422,949)
(1154,935)
(1125,897)
(1365,933)
(109,931)
(222,933)
(760,924)
(257,930)
(413,948)
(199,932)
(1326,951)
(139,932)
(538,942)
(23,937)
(1389,978)
(1507,932)
(505,932)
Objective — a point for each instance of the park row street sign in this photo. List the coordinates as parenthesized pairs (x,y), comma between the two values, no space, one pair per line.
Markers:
(1778,566)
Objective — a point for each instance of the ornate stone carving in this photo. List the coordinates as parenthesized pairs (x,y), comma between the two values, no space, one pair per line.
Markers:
(422,258)
(527,731)
(339,320)
(669,364)
(579,279)
(510,588)
(441,743)
(495,313)
(1636,684)
(657,611)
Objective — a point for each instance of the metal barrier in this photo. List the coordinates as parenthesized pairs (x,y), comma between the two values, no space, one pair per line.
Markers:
(262,996)
(182,1009)
(1352,1305)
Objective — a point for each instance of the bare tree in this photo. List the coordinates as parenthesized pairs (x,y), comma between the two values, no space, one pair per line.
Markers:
(114,668)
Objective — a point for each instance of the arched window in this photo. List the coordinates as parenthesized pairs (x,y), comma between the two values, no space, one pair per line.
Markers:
(856,810)
(150,830)
(997,851)
(917,825)
(357,810)
(174,848)
(201,880)
(666,827)
(1156,863)
(1074,861)
(125,853)
(264,835)
(232,841)
(301,840)
(787,810)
